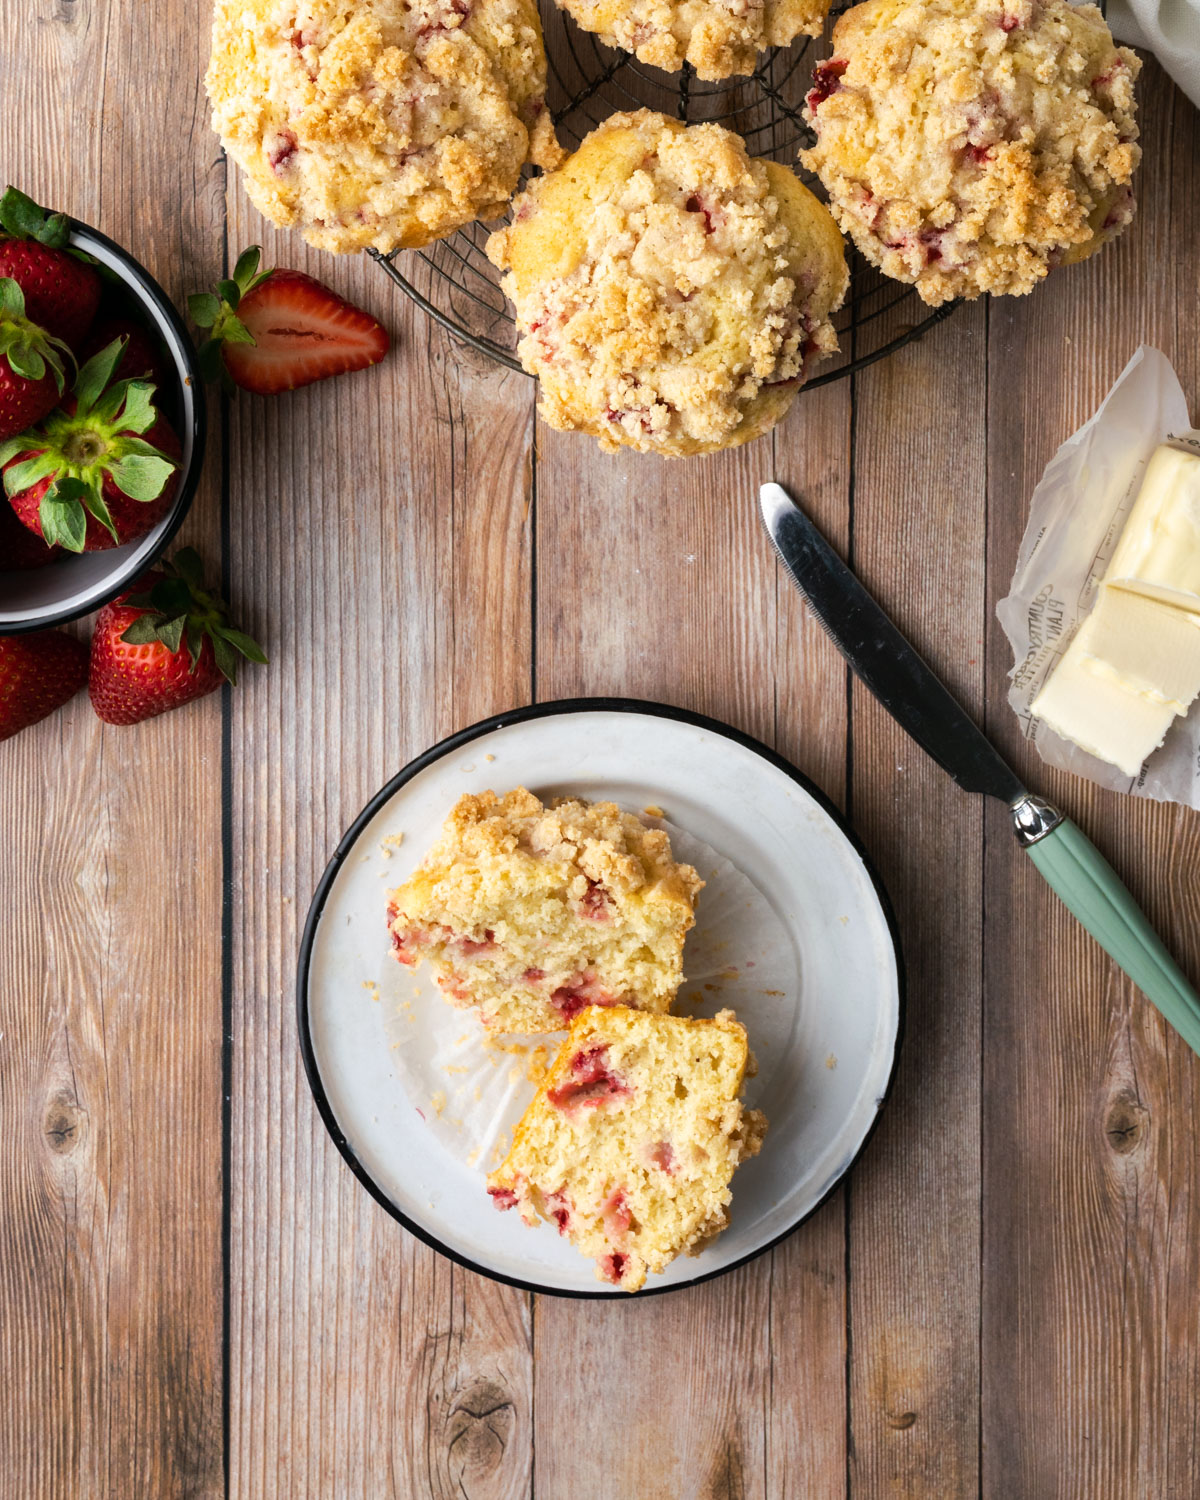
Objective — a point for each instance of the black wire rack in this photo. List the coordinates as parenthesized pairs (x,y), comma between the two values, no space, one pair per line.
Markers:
(456,284)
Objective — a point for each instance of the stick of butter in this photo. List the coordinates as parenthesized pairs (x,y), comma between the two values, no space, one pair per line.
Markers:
(1158,553)
(1134,663)
(1087,699)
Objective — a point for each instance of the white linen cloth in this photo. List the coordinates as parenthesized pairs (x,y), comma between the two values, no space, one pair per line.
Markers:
(1168,28)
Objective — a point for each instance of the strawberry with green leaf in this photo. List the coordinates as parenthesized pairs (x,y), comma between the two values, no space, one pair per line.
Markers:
(61,286)
(102,469)
(272,331)
(163,644)
(31,364)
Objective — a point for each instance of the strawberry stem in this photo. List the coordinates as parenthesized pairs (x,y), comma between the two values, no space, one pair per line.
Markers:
(28,348)
(21,217)
(179,606)
(219,314)
(101,439)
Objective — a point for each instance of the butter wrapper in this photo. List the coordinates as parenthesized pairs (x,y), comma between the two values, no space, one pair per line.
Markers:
(1075,520)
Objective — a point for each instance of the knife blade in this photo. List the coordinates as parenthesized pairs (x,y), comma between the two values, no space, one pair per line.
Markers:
(920,703)
(884,658)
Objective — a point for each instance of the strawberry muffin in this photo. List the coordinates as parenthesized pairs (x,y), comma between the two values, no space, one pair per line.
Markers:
(379,123)
(671,293)
(971,147)
(630,1143)
(529,914)
(718,37)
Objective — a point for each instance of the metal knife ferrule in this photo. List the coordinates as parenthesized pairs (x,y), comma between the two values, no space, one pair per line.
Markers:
(1033,818)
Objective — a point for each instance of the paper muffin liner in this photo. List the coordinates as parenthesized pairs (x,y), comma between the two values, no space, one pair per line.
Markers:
(471,1086)
(1075,520)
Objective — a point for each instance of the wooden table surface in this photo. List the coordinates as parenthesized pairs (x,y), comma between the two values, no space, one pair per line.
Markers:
(196,1298)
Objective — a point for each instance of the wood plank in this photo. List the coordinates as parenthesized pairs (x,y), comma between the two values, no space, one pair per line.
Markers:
(110,1070)
(380,539)
(914,1200)
(808,1314)
(1092,1107)
(655,581)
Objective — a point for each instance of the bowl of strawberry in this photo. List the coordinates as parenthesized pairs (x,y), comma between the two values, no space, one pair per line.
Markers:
(102,418)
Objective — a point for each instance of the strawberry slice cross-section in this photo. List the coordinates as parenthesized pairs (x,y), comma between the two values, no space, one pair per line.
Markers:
(275,330)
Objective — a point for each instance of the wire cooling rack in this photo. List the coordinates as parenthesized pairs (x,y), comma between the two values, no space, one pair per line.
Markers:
(456,284)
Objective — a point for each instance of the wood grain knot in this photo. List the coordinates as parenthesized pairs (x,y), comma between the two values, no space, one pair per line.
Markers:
(481,1424)
(901,1420)
(64,1124)
(727,1478)
(1125,1124)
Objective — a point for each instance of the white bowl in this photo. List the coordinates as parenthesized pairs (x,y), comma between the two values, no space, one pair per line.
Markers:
(76,585)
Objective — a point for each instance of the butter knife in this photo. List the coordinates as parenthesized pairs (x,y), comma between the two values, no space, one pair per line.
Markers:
(924,707)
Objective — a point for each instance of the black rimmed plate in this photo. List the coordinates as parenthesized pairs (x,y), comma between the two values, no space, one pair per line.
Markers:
(821,1082)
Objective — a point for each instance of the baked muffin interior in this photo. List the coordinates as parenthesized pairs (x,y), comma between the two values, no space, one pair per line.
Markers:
(530,913)
(629,1146)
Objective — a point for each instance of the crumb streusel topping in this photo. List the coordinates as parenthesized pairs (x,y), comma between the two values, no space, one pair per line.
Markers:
(530,913)
(718,37)
(671,293)
(971,147)
(379,123)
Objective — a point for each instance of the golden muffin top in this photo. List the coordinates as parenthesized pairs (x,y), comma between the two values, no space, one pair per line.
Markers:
(717,38)
(671,292)
(379,123)
(969,148)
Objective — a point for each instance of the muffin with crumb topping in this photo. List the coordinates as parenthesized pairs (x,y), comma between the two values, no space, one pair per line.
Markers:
(380,123)
(718,37)
(672,294)
(630,1143)
(529,914)
(970,147)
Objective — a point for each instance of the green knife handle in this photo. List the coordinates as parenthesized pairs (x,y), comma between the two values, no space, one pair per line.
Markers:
(1092,891)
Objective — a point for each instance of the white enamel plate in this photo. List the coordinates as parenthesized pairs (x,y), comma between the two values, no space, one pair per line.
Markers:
(794,933)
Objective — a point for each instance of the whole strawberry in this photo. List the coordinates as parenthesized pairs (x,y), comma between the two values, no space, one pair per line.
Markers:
(20,549)
(62,289)
(275,330)
(38,673)
(142,360)
(31,368)
(161,645)
(102,469)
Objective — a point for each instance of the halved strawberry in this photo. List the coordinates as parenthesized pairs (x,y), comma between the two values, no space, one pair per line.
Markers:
(38,673)
(102,469)
(31,368)
(62,289)
(163,644)
(275,330)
